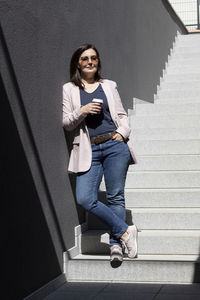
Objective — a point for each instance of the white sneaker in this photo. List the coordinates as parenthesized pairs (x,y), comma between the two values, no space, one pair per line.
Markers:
(131,241)
(116,253)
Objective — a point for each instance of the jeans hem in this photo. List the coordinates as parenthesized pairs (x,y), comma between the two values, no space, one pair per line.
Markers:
(121,233)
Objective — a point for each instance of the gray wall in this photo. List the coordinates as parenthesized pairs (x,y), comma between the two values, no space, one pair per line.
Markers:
(38,38)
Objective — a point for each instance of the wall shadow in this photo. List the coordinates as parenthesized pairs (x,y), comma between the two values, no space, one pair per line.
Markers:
(29,249)
(196,277)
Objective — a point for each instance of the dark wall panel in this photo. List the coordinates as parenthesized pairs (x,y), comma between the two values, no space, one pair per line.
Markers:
(29,246)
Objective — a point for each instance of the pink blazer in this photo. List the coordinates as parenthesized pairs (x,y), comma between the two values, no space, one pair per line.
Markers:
(81,154)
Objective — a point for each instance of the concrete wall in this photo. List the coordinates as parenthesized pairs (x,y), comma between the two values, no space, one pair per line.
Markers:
(38,38)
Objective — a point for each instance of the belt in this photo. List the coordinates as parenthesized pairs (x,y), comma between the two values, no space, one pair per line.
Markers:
(102,138)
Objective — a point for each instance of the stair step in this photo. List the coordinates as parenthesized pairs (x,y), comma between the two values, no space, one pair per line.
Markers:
(159,198)
(168,109)
(184,70)
(185,44)
(156,218)
(185,49)
(190,45)
(188,38)
(163,179)
(184,62)
(180,101)
(166,198)
(183,86)
(167,163)
(169,147)
(165,134)
(191,93)
(187,55)
(146,268)
(149,242)
(189,78)
(173,121)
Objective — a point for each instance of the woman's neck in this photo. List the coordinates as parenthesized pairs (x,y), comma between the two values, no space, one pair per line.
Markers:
(88,79)
(88,82)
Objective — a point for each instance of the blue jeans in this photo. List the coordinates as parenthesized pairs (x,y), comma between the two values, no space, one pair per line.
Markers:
(112,159)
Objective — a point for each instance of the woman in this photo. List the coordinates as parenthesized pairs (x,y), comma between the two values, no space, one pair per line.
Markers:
(100,146)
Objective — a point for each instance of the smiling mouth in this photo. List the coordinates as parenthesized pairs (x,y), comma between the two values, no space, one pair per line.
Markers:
(90,67)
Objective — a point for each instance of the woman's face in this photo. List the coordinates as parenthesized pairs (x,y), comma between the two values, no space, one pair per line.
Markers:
(88,62)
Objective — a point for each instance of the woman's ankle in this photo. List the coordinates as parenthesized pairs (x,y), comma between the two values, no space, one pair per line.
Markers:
(124,236)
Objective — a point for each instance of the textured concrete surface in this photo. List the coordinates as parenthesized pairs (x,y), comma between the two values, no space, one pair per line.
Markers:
(157,218)
(167,147)
(160,179)
(145,268)
(168,109)
(162,198)
(149,242)
(124,291)
(174,121)
(167,163)
(166,133)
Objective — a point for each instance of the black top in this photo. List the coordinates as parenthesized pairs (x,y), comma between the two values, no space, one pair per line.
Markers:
(98,124)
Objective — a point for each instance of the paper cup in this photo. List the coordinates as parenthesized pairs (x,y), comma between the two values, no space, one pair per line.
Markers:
(98,100)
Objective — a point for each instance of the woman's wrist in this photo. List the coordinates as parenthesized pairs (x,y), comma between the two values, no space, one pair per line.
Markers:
(84,111)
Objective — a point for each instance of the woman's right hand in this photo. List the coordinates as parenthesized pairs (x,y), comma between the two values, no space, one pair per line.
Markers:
(91,108)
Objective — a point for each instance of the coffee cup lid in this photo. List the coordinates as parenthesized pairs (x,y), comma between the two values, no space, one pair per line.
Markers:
(97,100)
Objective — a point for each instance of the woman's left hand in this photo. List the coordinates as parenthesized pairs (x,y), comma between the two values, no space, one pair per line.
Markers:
(117,136)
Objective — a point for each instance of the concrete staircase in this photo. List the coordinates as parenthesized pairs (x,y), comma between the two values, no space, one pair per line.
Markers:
(162,190)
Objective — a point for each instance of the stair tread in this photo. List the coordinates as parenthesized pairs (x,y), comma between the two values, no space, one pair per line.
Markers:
(166,172)
(149,232)
(164,190)
(166,210)
(144,257)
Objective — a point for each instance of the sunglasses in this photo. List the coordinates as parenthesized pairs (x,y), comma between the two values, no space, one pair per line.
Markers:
(93,58)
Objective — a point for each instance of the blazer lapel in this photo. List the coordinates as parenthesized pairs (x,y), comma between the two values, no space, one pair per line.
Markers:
(76,100)
(110,99)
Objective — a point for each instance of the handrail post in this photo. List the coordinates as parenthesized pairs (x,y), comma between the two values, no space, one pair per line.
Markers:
(198,13)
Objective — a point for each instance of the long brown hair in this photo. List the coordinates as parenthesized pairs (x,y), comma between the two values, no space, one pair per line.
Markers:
(75,75)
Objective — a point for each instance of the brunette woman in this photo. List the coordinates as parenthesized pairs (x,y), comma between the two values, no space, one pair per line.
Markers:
(100,147)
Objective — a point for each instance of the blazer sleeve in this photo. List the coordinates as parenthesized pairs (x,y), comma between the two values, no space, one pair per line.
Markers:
(72,117)
(124,125)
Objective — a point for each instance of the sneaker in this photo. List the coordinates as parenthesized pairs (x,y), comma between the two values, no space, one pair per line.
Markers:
(116,253)
(131,241)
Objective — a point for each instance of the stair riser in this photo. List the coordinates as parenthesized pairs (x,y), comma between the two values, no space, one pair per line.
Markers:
(174,121)
(166,134)
(184,86)
(183,63)
(164,220)
(189,46)
(189,56)
(166,147)
(97,244)
(180,101)
(132,271)
(139,180)
(185,70)
(168,109)
(162,198)
(190,78)
(166,163)
(158,198)
(179,94)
